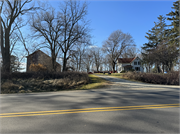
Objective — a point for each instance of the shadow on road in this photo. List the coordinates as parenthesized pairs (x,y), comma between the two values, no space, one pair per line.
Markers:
(122,93)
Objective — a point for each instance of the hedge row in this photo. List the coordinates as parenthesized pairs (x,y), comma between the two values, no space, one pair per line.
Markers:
(171,78)
(43,75)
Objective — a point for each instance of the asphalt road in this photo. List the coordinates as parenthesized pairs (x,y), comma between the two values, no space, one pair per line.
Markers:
(125,107)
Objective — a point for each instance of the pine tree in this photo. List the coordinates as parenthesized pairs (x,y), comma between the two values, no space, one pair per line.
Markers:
(174,31)
(157,33)
(163,45)
(155,36)
(174,18)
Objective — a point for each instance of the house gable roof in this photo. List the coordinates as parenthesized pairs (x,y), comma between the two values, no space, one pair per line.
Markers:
(125,60)
(39,51)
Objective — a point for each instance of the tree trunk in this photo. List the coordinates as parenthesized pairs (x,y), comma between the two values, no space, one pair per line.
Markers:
(2,42)
(53,61)
(64,62)
(114,67)
(87,69)
(159,69)
(77,64)
(97,69)
(171,66)
(149,68)
(6,53)
(156,66)
(163,68)
(80,63)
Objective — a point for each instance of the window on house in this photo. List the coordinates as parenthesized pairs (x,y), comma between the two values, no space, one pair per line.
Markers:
(135,63)
(139,63)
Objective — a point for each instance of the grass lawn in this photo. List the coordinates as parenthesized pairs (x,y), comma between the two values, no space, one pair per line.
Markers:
(119,75)
(95,82)
(153,78)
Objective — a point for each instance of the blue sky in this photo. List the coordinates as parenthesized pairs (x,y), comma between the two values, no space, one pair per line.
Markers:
(133,17)
(130,16)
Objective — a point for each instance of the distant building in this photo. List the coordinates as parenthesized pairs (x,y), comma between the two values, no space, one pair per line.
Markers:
(127,64)
(39,57)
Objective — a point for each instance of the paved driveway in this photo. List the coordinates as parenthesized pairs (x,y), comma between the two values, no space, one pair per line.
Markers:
(138,85)
(125,107)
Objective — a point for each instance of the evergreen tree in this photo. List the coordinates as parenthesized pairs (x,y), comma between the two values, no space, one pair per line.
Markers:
(157,33)
(155,36)
(173,37)
(174,18)
(163,46)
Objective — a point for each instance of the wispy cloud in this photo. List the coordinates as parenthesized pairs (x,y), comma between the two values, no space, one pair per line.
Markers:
(93,46)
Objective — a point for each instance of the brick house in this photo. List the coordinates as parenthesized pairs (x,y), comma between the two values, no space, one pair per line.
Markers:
(128,64)
(42,58)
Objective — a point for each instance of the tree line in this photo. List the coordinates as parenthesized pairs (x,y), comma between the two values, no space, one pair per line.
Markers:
(161,52)
(64,32)
(60,30)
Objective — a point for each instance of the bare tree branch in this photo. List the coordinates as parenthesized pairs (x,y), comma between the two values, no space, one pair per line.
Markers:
(48,26)
(72,14)
(116,44)
(11,11)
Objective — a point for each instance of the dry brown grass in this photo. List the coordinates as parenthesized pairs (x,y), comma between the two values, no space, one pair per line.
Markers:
(34,82)
(95,82)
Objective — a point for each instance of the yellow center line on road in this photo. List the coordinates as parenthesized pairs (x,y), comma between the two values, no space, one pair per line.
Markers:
(85,110)
(89,109)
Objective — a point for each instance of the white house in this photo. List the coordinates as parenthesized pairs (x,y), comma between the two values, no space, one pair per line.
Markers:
(128,64)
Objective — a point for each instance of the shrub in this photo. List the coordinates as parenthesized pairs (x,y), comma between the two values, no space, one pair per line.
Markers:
(29,80)
(45,75)
(131,70)
(123,71)
(171,78)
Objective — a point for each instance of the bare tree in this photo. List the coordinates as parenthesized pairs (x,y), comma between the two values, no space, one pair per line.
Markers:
(87,60)
(75,27)
(10,12)
(16,64)
(116,44)
(48,25)
(97,57)
(77,57)
(130,52)
(106,62)
(81,48)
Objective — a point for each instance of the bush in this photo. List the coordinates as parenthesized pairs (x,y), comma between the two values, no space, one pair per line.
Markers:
(123,71)
(171,78)
(44,75)
(15,82)
(131,70)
